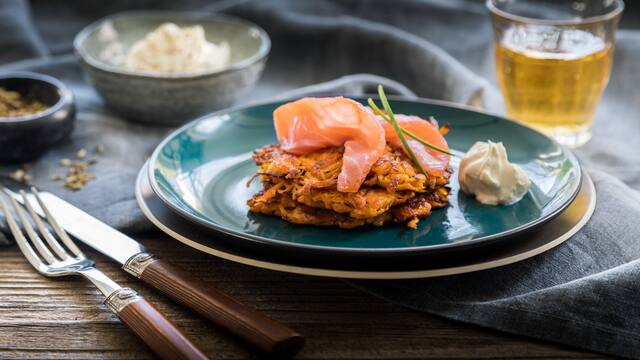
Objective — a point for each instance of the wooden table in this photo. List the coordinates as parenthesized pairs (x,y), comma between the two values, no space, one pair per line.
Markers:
(65,318)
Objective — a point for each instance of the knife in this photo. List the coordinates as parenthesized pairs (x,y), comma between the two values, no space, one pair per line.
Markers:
(241,320)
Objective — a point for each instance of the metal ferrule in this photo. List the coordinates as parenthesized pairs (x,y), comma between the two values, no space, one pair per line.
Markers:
(137,263)
(120,298)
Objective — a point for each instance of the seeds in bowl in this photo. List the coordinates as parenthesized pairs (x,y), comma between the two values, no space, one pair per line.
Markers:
(13,104)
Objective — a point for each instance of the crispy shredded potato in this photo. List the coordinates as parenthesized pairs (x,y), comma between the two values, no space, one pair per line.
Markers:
(302,189)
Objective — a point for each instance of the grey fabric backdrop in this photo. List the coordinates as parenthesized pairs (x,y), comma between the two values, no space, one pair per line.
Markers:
(584,293)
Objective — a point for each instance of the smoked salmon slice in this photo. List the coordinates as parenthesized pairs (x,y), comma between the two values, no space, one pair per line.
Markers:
(311,124)
(434,162)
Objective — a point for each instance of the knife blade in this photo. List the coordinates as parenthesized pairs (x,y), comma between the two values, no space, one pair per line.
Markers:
(245,322)
(86,228)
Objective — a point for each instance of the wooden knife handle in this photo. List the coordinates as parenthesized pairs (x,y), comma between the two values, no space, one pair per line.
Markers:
(258,329)
(162,336)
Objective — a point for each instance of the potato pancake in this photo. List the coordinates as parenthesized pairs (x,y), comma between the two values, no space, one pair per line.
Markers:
(302,189)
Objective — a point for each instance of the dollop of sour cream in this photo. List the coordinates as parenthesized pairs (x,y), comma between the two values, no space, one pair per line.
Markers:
(174,49)
(485,171)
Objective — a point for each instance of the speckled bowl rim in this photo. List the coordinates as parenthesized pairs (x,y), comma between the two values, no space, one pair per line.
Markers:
(66,96)
(78,41)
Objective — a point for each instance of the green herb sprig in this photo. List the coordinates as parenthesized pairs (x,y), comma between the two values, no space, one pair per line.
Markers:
(387,118)
(391,119)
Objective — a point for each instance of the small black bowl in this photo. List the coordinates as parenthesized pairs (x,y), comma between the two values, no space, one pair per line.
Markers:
(26,137)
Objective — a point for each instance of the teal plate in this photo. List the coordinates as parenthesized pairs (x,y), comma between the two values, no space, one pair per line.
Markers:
(201,171)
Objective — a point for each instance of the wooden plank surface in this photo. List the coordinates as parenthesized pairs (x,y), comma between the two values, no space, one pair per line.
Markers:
(43,318)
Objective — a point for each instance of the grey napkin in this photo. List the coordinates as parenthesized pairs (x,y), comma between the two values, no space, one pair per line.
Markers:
(585,293)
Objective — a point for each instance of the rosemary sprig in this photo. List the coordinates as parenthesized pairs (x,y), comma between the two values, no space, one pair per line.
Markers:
(392,120)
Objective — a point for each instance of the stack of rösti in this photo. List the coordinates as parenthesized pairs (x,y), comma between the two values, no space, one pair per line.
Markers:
(305,187)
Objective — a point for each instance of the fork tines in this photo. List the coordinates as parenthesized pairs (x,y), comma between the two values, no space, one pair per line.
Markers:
(45,254)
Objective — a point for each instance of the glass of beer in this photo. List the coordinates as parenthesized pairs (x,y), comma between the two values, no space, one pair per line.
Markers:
(553,60)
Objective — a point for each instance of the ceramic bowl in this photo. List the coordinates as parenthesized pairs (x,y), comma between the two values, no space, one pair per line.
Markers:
(170,98)
(25,137)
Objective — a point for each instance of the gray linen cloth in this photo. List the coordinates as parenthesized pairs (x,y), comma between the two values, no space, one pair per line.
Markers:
(584,293)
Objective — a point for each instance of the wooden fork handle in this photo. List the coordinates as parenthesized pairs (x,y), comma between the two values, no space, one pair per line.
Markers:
(160,334)
(243,321)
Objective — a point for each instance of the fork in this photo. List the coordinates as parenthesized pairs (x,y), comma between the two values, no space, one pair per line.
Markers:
(54,260)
